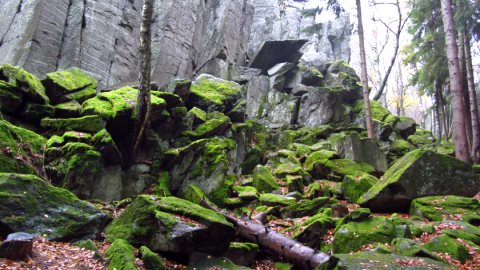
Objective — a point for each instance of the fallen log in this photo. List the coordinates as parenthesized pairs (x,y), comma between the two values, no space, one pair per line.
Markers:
(293,251)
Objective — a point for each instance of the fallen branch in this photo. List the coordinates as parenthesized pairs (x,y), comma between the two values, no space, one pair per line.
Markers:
(296,253)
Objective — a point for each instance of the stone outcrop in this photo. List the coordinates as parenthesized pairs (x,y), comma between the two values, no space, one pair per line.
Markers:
(101,37)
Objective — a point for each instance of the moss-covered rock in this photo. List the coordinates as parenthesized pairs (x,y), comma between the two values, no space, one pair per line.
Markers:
(21,149)
(90,245)
(445,244)
(27,83)
(373,260)
(275,199)
(207,164)
(205,261)
(118,103)
(400,147)
(246,193)
(30,204)
(312,230)
(438,208)
(217,124)
(422,137)
(155,222)
(70,84)
(70,109)
(379,113)
(406,126)
(351,236)
(317,157)
(306,207)
(104,143)
(213,94)
(10,101)
(121,256)
(34,112)
(420,173)
(242,253)
(353,186)
(323,188)
(411,248)
(151,261)
(197,116)
(263,179)
(89,123)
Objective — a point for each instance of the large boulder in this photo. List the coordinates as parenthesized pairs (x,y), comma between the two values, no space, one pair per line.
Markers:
(70,84)
(321,106)
(20,149)
(418,174)
(170,224)
(214,94)
(29,204)
(25,83)
(438,208)
(207,163)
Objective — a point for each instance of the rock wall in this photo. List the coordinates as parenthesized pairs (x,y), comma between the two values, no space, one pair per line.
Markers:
(285,20)
(189,37)
(101,37)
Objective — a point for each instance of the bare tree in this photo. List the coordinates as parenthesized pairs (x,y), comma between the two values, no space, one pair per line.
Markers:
(363,64)
(401,22)
(459,131)
(143,108)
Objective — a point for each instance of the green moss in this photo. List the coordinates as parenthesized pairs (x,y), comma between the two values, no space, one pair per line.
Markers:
(422,137)
(348,167)
(120,256)
(353,186)
(317,157)
(306,207)
(70,107)
(253,157)
(71,79)
(263,179)
(378,111)
(199,114)
(213,91)
(275,199)
(438,208)
(445,244)
(351,236)
(162,187)
(244,246)
(21,149)
(30,204)
(211,127)
(118,102)
(246,192)
(401,147)
(151,261)
(24,80)
(375,260)
(313,229)
(90,123)
(461,234)
(311,12)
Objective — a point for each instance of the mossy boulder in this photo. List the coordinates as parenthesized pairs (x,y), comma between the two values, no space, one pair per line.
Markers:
(445,244)
(120,103)
(306,207)
(312,230)
(214,94)
(341,75)
(89,123)
(70,109)
(353,186)
(351,236)
(406,126)
(30,204)
(422,137)
(318,157)
(206,163)
(412,248)
(242,253)
(263,179)
(246,193)
(337,169)
(400,147)
(196,116)
(276,199)
(121,256)
(373,260)
(26,83)
(217,124)
(156,223)
(21,149)
(418,174)
(438,208)
(151,260)
(34,112)
(379,113)
(70,84)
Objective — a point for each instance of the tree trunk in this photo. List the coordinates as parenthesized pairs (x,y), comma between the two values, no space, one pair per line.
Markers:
(438,108)
(459,131)
(401,92)
(301,256)
(363,64)
(142,111)
(473,102)
(466,99)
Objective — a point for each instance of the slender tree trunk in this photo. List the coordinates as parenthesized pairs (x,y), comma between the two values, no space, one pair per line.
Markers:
(142,111)
(473,101)
(446,112)
(402,90)
(463,72)
(459,131)
(438,108)
(363,64)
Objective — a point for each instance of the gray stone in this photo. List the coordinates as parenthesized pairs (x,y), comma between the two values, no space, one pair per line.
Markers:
(319,107)
(280,69)
(420,173)
(362,150)
(274,52)
(109,186)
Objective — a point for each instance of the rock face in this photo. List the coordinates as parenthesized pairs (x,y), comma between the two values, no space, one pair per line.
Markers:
(420,173)
(101,37)
(189,37)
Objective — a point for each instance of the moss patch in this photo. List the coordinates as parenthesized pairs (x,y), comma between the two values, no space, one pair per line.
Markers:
(25,81)
(89,123)
(263,179)
(120,256)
